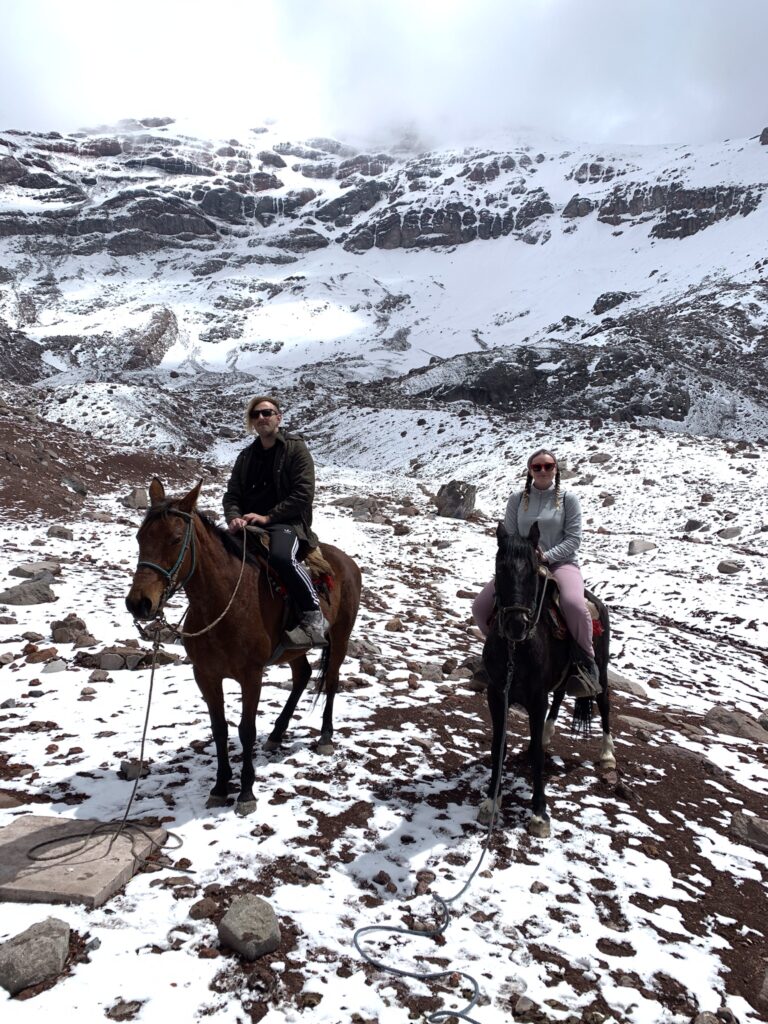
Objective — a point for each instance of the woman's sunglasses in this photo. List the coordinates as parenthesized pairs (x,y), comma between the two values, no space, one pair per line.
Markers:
(266,413)
(542,467)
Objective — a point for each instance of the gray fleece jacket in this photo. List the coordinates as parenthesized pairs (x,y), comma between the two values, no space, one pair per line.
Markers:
(560,528)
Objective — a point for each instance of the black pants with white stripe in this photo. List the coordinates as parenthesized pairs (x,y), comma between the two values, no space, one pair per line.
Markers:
(283,545)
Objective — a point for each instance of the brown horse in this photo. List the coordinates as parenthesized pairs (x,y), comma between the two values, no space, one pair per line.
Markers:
(180,548)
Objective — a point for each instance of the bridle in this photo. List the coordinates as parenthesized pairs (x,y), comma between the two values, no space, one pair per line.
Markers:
(531,612)
(172,583)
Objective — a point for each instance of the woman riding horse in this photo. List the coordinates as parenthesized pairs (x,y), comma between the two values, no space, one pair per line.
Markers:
(558,514)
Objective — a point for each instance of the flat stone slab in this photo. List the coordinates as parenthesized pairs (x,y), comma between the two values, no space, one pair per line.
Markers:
(77,869)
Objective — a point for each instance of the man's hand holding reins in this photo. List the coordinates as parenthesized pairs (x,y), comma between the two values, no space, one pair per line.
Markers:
(249,519)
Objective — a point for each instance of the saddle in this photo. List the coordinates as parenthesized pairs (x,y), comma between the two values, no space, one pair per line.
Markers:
(317,565)
(556,619)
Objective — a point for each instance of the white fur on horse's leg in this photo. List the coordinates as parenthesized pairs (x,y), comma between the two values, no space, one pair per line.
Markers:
(607,755)
(539,827)
(548,732)
(486,810)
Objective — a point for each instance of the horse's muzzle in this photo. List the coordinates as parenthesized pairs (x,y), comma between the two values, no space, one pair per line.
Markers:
(140,606)
(514,623)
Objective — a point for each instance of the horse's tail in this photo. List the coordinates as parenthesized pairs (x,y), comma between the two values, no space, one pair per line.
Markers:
(321,678)
(581,725)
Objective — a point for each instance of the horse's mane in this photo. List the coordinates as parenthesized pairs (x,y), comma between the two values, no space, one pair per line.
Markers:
(515,546)
(231,543)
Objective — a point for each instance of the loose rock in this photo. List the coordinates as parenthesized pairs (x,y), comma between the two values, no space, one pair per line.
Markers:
(250,927)
(34,955)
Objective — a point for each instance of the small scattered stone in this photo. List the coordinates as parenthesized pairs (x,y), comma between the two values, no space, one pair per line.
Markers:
(636,547)
(728,566)
(57,665)
(28,593)
(751,830)
(61,532)
(124,1009)
(523,1005)
(204,909)
(130,769)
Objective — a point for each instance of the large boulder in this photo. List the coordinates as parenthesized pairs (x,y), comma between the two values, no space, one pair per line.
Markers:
(456,500)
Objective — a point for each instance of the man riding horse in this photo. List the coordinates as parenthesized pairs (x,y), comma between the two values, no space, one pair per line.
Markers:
(272,486)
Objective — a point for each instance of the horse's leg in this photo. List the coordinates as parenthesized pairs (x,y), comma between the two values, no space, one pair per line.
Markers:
(539,823)
(496,707)
(551,719)
(330,683)
(607,758)
(213,693)
(300,672)
(251,691)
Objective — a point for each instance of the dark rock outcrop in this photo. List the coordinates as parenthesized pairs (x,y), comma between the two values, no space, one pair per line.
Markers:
(578,206)
(609,300)
(685,210)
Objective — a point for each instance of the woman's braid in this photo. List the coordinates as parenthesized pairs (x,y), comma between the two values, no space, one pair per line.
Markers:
(528,482)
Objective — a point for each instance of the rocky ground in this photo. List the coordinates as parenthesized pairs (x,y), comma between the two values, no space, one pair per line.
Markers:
(648,902)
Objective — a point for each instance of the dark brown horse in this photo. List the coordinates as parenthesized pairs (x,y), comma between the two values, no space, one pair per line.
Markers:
(180,548)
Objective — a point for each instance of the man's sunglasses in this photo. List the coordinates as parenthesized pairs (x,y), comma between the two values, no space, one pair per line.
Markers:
(542,467)
(266,413)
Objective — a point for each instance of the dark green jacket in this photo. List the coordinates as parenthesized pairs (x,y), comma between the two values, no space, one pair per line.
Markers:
(294,481)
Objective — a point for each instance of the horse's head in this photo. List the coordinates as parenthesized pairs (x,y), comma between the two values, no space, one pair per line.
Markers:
(518,583)
(166,551)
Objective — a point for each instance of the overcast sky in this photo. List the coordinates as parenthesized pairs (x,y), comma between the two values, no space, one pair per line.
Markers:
(639,71)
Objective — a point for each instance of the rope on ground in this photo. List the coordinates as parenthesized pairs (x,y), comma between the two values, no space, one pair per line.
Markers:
(113,828)
(445,915)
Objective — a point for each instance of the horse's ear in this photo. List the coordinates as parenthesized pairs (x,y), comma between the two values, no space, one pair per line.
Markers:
(188,502)
(156,491)
(501,532)
(534,535)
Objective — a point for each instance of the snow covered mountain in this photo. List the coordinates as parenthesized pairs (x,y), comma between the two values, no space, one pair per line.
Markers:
(528,274)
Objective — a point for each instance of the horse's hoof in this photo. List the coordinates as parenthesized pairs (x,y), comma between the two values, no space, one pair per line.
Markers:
(245,807)
(325,748)
(270,745)
(217,801)
(539,827)
(486,810)
(607,764)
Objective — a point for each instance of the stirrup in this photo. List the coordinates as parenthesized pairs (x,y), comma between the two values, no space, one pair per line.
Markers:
(581,683)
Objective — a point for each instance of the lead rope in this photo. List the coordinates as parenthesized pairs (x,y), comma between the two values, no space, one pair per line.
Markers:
(443,905)
(108,828)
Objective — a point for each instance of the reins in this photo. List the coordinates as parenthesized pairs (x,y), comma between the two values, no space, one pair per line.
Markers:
(152,631)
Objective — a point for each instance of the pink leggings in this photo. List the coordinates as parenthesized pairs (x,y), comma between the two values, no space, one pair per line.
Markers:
(571,585)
